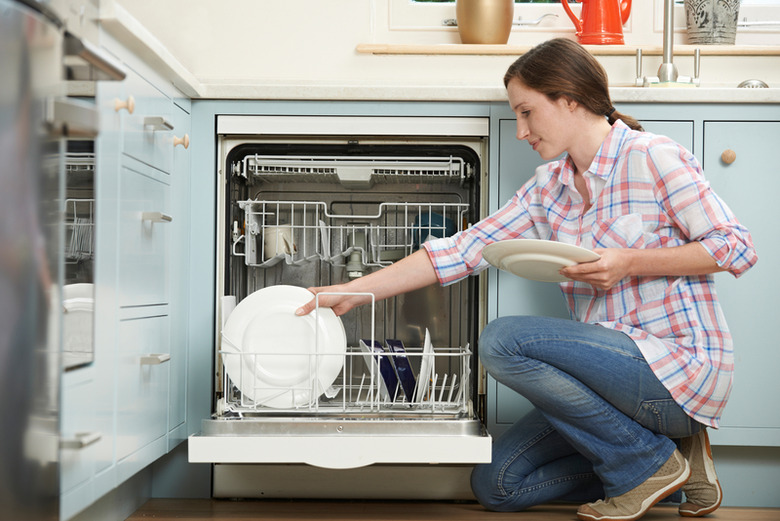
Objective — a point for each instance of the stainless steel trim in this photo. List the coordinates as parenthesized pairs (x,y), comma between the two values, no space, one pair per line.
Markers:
(81,440)
(667,72)
(94,64)
(155,359)
(157,123)
(753,84)
(376,424)
(69,117)
(156,217)
(353,125)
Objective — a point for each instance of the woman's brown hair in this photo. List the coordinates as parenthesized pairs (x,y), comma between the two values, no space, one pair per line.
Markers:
(561,67)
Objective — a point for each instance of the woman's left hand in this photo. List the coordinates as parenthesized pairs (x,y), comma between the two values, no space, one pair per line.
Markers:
(616,264)
(611,268)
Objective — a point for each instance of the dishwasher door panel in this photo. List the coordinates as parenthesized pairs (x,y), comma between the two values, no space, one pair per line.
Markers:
(338,449)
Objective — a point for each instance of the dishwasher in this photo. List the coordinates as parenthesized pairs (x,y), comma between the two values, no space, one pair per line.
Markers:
(308,201)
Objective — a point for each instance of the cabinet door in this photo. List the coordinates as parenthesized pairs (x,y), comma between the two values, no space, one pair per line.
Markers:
(148,131)
(749,186)
(517,162)
(680,131)
(518,296)
(80,435)
(180,257)
(143,358)
(145,221)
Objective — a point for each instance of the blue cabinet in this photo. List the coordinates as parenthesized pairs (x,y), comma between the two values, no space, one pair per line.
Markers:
(749,185)
(509,294)
(179,275)
(145,222)
(128,408)
(142,378)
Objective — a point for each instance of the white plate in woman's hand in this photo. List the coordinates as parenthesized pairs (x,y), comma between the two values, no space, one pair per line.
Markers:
(536,259)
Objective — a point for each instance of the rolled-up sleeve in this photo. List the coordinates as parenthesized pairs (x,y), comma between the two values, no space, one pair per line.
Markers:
(459,256)
(696,209)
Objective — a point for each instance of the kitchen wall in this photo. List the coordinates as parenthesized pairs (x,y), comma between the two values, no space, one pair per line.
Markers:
(309,44)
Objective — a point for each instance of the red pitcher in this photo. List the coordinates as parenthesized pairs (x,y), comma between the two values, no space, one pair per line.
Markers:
(602,21)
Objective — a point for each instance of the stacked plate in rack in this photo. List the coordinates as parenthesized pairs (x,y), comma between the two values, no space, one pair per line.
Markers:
(276,358)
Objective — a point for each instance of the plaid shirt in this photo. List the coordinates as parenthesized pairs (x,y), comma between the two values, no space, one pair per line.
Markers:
(646,192)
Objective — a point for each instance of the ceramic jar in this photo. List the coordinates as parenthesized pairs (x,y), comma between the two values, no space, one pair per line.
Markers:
(712,21)
(484,21)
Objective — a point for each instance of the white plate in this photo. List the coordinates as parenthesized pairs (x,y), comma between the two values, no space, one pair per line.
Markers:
(426,369)
(278,359)
(536,259)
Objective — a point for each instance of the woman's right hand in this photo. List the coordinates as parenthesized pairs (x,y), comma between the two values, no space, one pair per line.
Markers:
(340,304)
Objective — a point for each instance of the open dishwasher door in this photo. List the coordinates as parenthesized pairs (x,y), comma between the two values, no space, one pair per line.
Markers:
(348,197)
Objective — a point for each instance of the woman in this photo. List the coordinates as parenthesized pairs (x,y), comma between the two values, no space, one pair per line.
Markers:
(647,357)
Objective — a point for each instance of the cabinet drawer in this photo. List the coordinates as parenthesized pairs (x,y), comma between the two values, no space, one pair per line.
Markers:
(143,358)
(144,232)
(80,435)
(148,131)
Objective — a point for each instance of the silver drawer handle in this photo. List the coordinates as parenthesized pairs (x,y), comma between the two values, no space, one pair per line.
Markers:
(155,359)
(81,440)
(157,123)
(71,117)
(156,217)
(100,66)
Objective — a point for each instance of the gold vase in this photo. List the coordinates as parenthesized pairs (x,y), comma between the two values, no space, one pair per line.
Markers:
(484,21)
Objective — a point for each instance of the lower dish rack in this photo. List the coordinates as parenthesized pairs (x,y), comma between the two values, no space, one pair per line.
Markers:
(366,385)
(378,402)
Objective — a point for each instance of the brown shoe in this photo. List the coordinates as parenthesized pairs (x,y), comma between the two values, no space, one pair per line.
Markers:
(703,493)
(636,502)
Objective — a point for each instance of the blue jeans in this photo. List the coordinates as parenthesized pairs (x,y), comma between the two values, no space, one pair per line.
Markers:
(602,422)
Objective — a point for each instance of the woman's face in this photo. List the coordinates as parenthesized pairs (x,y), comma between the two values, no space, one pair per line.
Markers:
(545,124)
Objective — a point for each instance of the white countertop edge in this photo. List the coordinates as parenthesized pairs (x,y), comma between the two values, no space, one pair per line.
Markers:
(303,91)
(694,95)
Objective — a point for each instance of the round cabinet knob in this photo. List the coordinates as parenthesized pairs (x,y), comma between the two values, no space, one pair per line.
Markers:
(128,104)
(184,141)
(728,156)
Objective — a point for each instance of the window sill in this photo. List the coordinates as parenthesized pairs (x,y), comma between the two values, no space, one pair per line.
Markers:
(597,50)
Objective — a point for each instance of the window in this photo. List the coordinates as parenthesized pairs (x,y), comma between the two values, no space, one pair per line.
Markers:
(759,21)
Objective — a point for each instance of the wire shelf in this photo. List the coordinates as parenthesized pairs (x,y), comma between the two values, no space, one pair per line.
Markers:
(352,170)
(298,232)
(79,229)
(358,390)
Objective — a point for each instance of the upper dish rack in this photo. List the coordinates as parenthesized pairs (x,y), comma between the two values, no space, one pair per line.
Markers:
(79,206)
(79,229)
(353,171)
(301,231)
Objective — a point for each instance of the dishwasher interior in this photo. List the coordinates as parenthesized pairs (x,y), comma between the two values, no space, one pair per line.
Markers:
(306,212)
